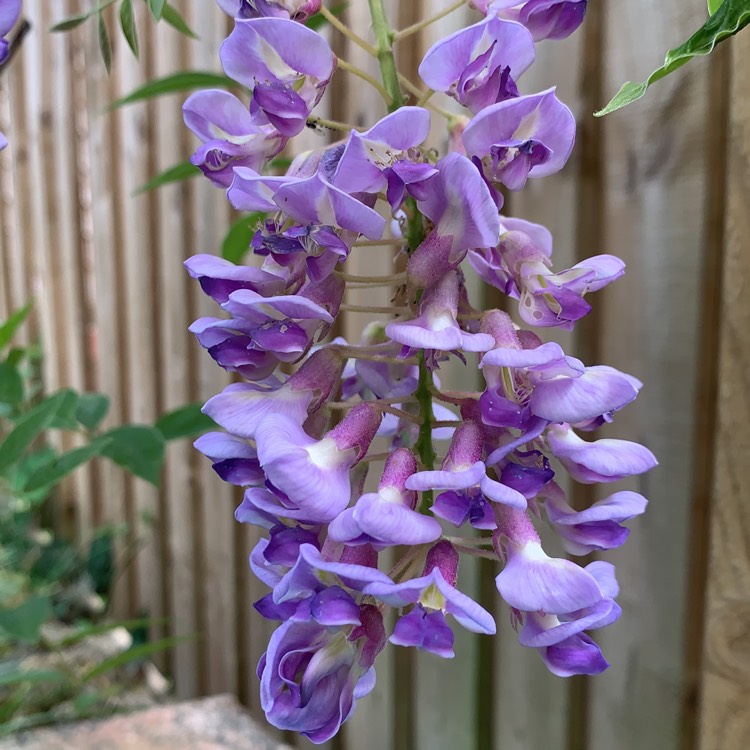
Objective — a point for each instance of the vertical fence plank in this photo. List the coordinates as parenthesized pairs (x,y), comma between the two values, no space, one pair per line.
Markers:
(525,687)
(655,178)
(725,695)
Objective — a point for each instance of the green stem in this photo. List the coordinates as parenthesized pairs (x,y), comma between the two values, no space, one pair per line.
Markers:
(384,37)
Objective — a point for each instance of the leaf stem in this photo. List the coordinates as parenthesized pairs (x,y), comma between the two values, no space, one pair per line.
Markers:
(384,44)
(348,33)
(417,27)
(355,71)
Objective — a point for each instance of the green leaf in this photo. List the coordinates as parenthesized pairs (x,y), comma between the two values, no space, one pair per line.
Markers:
(65,419)
(9,327)
(132,654)
(187,80)
(137,448)
(182,171)
(156,7)
(105,46)
(237,240)
(172,16)
(91,409)
(72,21)
(730,18)
(13,674)
(714,5)
(23,622)
(184,422)
(28,428)
(11,385)
(127,23)
(87,630)
(52,473)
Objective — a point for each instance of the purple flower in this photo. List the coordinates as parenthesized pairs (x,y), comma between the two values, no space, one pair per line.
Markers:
(286,65)
(435,595)
(387,517)
(464,214)
(385,157)
(529,136)
(313,474)
(10,10)
(311,675)
(297,10)
(436,327)
(316,200)
(520,267)
(545,19)
(310,572)
(464,471)
(565,649)
(231,136)
(240,407)
(604,460)
(478,65)
(531,581)
(596,528)
(233,458)
(543,382)
(219,278)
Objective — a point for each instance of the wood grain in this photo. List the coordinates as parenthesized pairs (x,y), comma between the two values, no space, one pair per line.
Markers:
(725,695)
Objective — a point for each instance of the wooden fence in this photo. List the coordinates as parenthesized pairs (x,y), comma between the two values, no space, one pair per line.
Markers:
(664,184)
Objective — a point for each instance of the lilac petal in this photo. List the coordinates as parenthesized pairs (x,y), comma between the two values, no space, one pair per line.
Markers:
(460,204)
(10,10)
(306,577)
(574,656)
(619,507)
(241,407)
(368,154)
(532,430)
(500,493)
(285,109)
(531,581)
(313,200)
(246,303)
(219,277)
(506,357)
(459,507)
(546,630)
(448,480)
(597,391)
(275,49)
(219,446)
(604,573)
(468,63)
(434,592)
(248,510)
(314,475)
(263,570)
(214,114)
(393,523)
(539,118)
(251,191)
(333,607)
(284,543)
(344,528)
(539,235)
(425,630)
(267,608)
(418,334)
(604,460)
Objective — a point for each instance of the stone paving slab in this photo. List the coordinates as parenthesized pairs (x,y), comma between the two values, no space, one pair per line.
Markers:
(217,723)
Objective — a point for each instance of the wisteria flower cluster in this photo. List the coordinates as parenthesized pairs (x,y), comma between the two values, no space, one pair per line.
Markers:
(301,422)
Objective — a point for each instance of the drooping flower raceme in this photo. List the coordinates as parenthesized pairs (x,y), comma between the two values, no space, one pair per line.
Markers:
(347,452)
